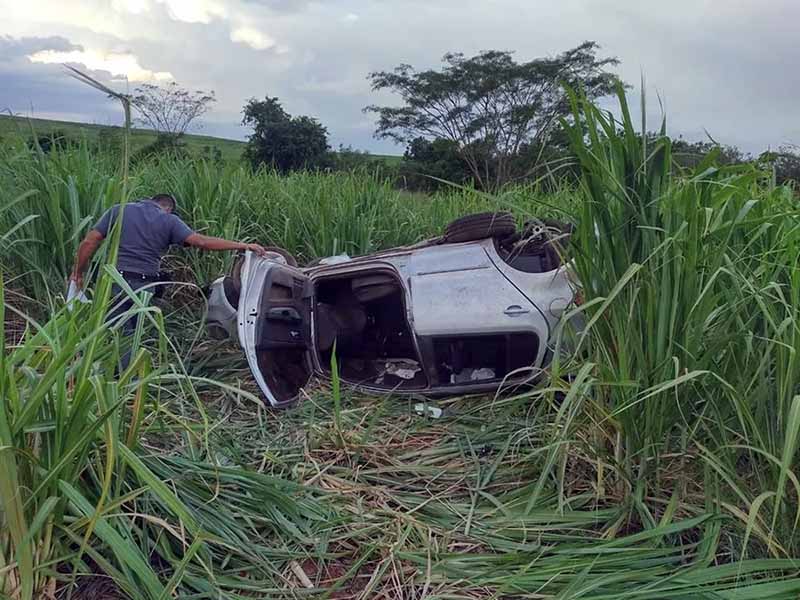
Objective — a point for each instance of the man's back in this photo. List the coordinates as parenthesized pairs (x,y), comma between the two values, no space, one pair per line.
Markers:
(147,232)
(149,227)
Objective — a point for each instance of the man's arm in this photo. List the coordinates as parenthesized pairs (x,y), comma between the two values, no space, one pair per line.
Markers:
(206,242)
(86,251)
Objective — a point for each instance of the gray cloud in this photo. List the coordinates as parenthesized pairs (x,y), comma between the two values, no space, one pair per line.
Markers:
(45,90)
(11,48)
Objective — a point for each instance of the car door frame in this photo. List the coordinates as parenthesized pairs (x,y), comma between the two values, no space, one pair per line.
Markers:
(254,274)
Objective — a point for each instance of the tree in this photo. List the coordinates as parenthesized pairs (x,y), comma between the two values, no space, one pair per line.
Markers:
(286,143)
(57,139)
(170,110)
(349,159)
(785,164)
(164,145)
(425,162)
(489,105)
(691,154)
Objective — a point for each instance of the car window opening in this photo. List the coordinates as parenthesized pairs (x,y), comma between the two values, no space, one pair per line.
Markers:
(537,249)
(363,317)
(468,360)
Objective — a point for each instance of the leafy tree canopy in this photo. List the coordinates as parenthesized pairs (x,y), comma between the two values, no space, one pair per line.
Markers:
(785,163)
(427,161)
(284,142)
(489,105)
(170,109)
(691,154)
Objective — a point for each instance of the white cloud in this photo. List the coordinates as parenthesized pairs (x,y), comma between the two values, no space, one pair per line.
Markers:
(118,64)
(187,11)
(134,7)
(194,11)
(252,37)
(350,18)
(45,17)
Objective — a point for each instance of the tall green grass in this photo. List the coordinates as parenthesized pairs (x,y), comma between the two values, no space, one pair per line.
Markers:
(50,201)
(658,462)
(81,491)
(63,193)
(691,288)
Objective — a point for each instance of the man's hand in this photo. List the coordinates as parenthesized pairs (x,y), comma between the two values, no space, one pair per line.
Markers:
(86,250)
(206,242)
(256,248)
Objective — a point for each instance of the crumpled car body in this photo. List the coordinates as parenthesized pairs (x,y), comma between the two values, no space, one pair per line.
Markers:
(431,319)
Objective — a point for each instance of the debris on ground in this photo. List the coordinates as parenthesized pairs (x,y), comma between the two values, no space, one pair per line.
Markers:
(470,375)
(402,368)
(427,410)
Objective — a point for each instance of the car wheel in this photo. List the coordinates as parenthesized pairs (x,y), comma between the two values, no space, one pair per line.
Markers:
(232,284)
(232,289)
(290,260)
(479,227)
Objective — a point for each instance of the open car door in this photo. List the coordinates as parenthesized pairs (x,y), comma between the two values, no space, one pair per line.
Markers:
(274,322)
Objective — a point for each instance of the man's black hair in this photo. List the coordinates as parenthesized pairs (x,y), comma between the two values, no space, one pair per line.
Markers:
(165,200)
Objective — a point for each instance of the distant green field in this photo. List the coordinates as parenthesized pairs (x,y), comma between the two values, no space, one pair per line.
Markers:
(390,159)
(196,144)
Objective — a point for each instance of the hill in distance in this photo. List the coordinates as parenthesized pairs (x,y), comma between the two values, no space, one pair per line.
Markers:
(196,144)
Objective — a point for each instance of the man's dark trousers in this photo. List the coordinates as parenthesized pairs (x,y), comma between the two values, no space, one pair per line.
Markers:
(122,303)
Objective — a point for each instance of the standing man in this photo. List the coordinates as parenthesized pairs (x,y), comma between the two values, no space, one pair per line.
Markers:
(149,227)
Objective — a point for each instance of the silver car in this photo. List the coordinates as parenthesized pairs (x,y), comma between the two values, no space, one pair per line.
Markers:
(459,314)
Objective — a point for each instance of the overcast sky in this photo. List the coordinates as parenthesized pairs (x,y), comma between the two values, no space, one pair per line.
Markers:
(729,67)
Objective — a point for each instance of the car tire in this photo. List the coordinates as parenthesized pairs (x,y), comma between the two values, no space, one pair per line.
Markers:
(233,290)
(290,260)
(480,226)
(232,284)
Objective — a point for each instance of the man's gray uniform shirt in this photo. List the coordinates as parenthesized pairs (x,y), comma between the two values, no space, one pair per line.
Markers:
(147,232)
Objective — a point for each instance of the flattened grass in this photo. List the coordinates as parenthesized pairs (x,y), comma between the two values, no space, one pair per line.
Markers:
(439,508)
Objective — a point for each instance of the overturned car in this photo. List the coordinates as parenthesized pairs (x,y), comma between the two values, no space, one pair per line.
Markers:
(461,313)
